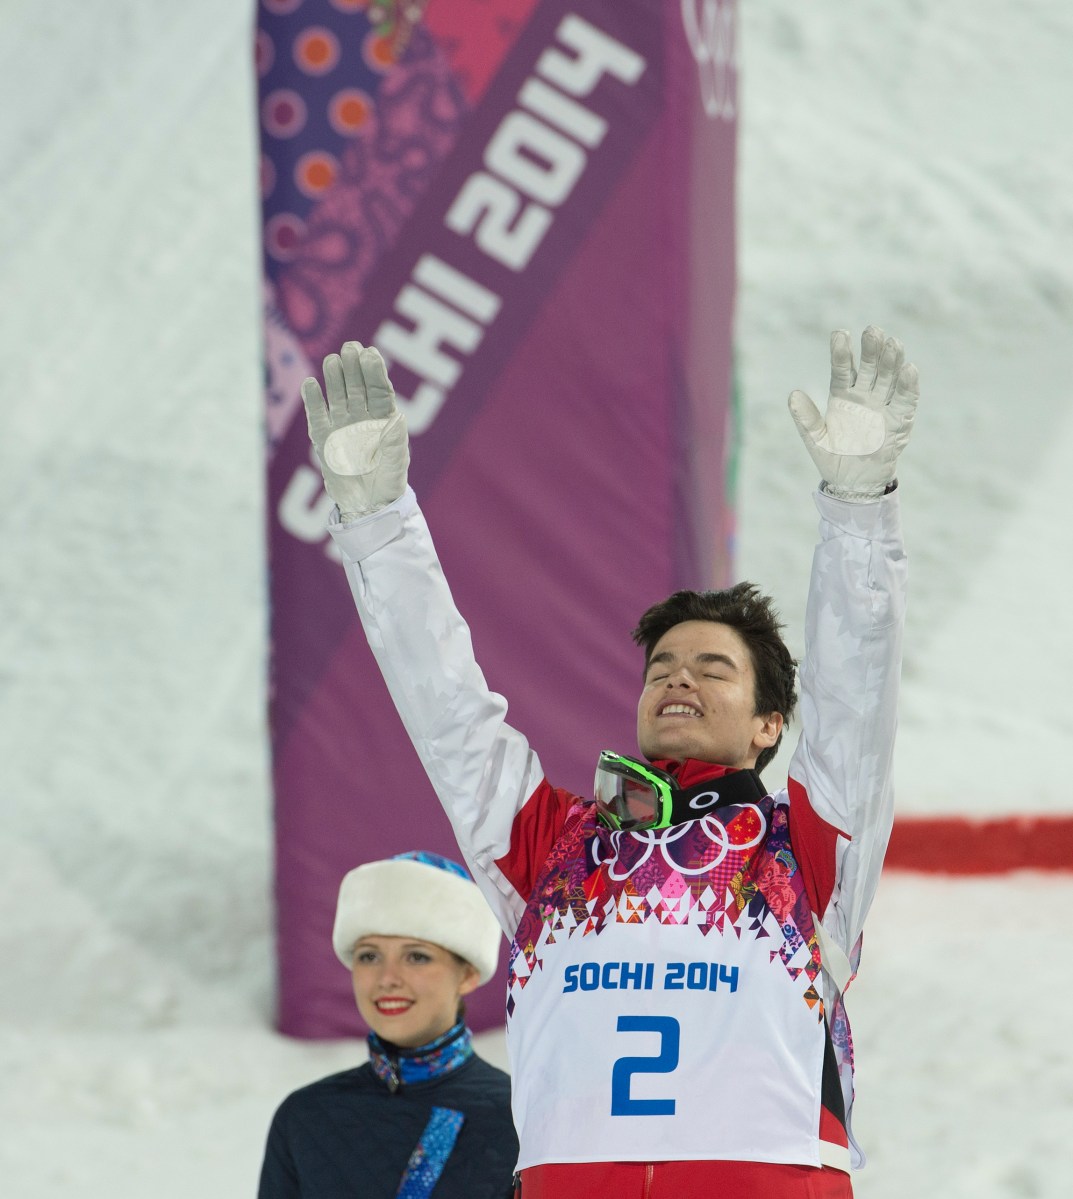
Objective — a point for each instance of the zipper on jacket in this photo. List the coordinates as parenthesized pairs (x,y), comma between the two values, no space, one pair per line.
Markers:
(650,1169)
(394,1080)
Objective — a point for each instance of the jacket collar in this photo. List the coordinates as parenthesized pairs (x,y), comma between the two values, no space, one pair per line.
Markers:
(398,1067)
(697,779)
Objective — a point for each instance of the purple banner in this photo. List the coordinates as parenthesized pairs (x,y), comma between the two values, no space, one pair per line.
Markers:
(529,208)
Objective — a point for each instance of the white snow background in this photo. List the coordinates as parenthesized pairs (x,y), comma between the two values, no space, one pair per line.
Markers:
(908,164)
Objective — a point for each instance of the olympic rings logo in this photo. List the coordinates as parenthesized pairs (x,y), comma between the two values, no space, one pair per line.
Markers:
(665,839)
(711,31)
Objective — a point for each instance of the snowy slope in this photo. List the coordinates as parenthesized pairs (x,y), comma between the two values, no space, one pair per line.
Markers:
(904,164)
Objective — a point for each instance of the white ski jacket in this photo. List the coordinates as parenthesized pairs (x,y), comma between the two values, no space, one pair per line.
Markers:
(673,995)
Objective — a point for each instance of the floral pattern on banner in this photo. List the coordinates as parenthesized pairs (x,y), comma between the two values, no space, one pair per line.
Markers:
(383,171)
(360,103)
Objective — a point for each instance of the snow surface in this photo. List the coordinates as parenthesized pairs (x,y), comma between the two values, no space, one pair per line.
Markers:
(907,164)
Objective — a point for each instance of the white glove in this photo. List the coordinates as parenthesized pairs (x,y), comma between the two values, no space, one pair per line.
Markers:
(360,437)
(869,417)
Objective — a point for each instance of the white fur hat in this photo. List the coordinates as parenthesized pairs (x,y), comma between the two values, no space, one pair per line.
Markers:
(418,895)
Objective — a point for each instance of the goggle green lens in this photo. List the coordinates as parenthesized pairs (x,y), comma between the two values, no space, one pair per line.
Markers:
(631,796)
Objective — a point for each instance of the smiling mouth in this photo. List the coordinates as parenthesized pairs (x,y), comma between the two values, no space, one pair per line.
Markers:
(678,710)
(393,1007)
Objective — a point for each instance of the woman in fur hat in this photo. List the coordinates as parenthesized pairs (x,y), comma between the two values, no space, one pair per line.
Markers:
(424,1116)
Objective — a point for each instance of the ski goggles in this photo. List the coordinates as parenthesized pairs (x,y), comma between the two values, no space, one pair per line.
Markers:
(631,795)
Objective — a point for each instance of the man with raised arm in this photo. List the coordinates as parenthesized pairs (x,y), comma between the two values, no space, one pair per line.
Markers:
(680,942)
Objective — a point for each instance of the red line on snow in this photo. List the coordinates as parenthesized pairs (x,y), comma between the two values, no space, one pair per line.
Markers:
(963,845)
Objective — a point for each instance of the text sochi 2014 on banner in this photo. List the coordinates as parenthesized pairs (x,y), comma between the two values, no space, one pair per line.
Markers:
(531,165)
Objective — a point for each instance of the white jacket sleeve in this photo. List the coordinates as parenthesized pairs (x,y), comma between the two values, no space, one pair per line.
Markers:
(849,695)
(482,769)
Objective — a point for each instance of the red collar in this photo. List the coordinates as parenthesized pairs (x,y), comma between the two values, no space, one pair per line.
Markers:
(693,771)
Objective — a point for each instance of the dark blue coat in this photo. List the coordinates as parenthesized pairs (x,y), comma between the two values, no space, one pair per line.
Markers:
(348,1137)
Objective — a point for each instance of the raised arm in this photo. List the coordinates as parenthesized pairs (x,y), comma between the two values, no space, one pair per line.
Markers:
(840,777)
(482,770)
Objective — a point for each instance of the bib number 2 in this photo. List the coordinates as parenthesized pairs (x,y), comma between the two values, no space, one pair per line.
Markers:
(664,1062)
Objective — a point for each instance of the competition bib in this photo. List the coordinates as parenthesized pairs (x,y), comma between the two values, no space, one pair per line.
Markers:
(663,996)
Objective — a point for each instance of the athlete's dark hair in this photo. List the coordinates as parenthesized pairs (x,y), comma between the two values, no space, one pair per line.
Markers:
(752,614)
